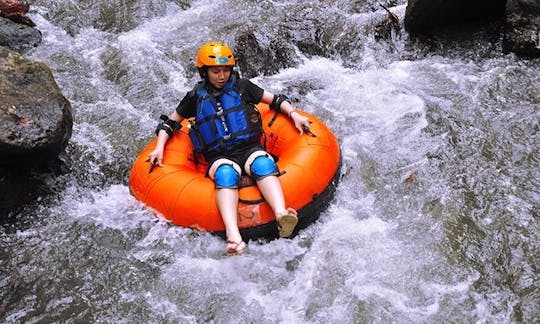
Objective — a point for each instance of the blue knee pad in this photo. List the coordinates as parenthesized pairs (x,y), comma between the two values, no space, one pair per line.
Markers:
(262,167)
(226,176)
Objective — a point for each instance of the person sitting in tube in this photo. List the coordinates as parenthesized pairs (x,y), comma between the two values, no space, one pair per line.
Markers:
(227,132)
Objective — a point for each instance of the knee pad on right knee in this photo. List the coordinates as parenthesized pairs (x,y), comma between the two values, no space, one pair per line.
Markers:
(226,176)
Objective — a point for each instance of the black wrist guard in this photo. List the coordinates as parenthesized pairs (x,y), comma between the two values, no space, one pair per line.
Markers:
(277,101)
(168,125)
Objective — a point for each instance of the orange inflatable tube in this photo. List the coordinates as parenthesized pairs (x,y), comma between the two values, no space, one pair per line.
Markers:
(182,193)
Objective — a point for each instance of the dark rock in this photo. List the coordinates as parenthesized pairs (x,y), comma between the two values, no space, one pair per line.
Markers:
(17,189)
(18,37)
(522,28)
(23,187)
(255,59)
(35,118)
(422,16)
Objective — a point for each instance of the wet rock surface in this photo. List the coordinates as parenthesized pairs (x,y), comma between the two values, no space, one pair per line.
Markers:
(521,20)
(35,125)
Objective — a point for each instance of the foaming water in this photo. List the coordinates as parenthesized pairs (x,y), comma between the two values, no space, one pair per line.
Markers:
(434,219)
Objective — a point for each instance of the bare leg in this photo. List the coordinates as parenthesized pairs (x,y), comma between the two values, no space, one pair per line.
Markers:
(227,201)
(272,192)
(286,218)
(270,188)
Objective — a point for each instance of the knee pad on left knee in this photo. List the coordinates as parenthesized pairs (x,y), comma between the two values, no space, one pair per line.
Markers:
(263,166)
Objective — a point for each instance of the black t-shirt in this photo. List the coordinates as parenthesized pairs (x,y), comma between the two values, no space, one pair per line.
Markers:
(249,91)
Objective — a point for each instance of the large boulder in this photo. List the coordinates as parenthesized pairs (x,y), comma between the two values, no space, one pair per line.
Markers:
(522,19)
(267,57)
(422,16)
(35,118)
(18,37)
(16,32)
(522,27)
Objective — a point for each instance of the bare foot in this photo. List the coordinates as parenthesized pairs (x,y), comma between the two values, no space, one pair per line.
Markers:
(236,247)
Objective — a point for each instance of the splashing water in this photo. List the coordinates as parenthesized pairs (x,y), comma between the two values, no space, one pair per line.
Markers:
(435,218)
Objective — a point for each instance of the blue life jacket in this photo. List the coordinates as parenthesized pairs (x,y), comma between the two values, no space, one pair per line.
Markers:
(223,120)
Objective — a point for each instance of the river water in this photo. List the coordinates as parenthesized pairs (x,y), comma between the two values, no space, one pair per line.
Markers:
(436,217)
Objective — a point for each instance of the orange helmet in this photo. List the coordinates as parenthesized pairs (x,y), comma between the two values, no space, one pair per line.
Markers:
(215,54)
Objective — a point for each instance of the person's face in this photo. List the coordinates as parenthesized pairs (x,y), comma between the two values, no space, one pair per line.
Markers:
(219,75)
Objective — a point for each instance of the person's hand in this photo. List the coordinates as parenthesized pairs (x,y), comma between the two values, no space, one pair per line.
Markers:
(156,156)
(300,122)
